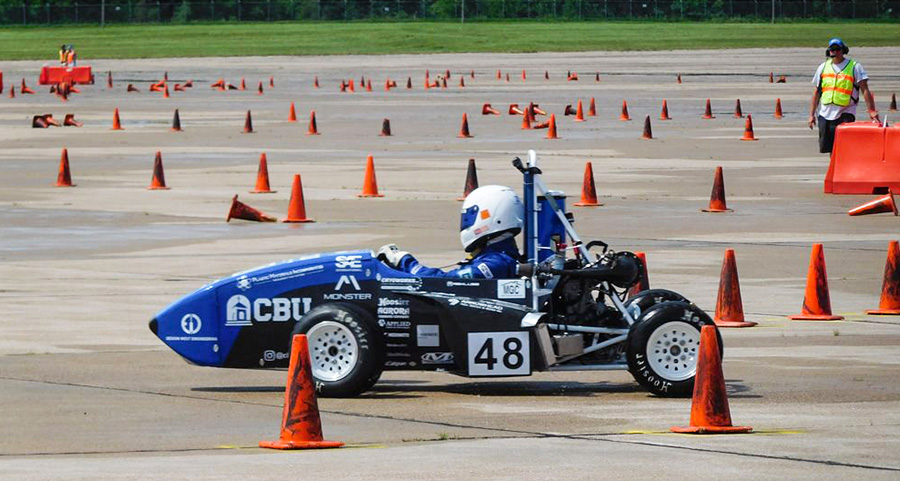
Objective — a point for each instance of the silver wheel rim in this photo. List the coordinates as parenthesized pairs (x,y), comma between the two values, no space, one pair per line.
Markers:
(333,350)
(672,350)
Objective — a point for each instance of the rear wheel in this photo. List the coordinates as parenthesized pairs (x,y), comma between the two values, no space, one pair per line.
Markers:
(644,300)
(663,345)
(346,353)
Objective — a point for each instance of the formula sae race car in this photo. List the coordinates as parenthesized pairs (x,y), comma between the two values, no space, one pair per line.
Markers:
(566,311)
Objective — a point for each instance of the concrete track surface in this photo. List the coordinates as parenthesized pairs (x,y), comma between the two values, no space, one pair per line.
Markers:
(87,392)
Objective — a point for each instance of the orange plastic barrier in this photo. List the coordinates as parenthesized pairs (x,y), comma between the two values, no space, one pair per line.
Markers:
(72,75)
(865,160)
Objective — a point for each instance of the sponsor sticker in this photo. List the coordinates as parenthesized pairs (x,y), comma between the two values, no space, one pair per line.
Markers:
(239,311)
(348,263)
(437,358)
(191,324)
(428,335)
(393,312)
(511,289)
(387,324)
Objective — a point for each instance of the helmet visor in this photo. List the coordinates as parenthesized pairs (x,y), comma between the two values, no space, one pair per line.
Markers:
(468,217)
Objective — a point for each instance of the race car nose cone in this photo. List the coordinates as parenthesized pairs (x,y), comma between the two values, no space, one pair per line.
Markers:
(154,324)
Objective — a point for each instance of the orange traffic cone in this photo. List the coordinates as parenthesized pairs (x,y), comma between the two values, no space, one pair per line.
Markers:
(729,306)
(51,121)
(738,113)
(709,407)
(471,181)
(464,130)
(350,86)
(644,283)
(166,92)
(486,109)
(178,88)
(132,88)
(523,74)
(24,89)
(597,77)
(877,206)
(70,121)
(527,119)
(313,127)
(248,124)
(624,115)
(664,115)
(748,129)
(816,301)
(678,78)
(648,132)
(385,128)
(39,122)
(301,426)
(462,82)
(109,82)
(271,82)
(408,83)
(240,210)
(717,198)
(778,113)
(771,77)
(498,74)
(292,115)
(370,184)
(890,289)
(12,91)
(297,206)
(316,82)
(158,182)
(546,75)
(369,85)
(262,177)
(176,122)
(189,84)
(893,105)
(573,77)
(536,110)
(569,110)
(579,113)
(515,110)
(117,124)
(64,178)
(592,108)
(707,114)
(218,84)
(259,88)
(588,189)
(507,77)
(551,128)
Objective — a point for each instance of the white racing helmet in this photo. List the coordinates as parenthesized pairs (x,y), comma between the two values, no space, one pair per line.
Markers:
(487,213)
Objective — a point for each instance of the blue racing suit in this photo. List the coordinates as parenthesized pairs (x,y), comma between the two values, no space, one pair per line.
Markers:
(495,261)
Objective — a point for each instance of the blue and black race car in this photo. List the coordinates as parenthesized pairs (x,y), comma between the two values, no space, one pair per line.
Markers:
(362,317)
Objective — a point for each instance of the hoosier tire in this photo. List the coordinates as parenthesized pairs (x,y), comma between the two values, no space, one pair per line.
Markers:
(346,353)
(663,347)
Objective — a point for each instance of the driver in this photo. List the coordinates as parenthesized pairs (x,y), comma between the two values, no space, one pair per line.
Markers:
(490,218)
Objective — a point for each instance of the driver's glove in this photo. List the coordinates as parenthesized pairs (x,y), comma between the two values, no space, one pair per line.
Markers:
(391,255)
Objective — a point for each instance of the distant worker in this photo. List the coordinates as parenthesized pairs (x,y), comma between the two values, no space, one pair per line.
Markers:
(839,81)
(71,56)
(63,55)
(490,219)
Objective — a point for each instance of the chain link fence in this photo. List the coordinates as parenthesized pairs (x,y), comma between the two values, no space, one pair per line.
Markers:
(153,11)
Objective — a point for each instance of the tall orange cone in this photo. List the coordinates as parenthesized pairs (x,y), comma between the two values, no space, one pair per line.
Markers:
(464,130)
(158,182)
(890,289)
(262,177)
(527,119)
(292,114)
(243,85)
(597,77)
(816,301)
(109,82)
(166,92)
(546,75)
(370,184)
(523,74)
(297,206)
(408,83)
(579,113)
(877,206)
(707,114)
(301,426)
(12,91)
(748,129)
(369,85)
(176,122)
(471,181)
(248,124)
(498,74)
(644,283)
(738,113)
(64,178)
(624,117)
(664,115)
(385,128)
(893,105)
(316,82)
(507,77)
(350,86)
(240,210)
(710,413)
(117,124)
(259,89)
(717,198)
(588,189)
(271,81)
(648,132)
(771,77)
(729,306)
(551,129)
(778,113)
(678,78)
(486,109)
(592,108)
(462,82)
(313,127)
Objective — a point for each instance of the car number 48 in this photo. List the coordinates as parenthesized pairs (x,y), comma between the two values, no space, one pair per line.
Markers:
(499,354)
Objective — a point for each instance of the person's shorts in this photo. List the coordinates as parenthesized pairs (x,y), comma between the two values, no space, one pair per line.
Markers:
(826,131)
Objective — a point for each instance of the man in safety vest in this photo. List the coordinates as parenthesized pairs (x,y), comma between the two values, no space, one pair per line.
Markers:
(839,82)
(63,55)
(71,56)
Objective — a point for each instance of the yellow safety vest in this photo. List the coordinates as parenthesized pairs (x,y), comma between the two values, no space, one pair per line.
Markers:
(837,88)
(62,56)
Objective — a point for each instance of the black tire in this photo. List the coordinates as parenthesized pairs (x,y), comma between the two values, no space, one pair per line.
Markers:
(336,328)
(664,367)
(644,300)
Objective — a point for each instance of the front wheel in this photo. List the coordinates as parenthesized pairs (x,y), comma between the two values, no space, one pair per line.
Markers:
(345,352)
(663,346)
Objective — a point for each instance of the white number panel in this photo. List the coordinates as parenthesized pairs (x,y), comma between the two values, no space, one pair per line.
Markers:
(499,354)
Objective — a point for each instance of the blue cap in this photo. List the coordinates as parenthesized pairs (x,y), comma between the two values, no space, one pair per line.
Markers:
(836,41)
